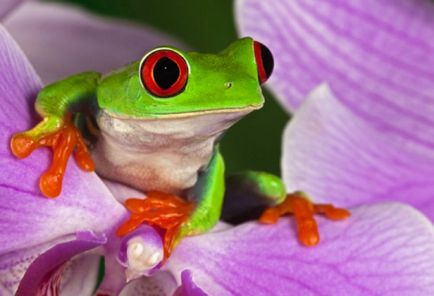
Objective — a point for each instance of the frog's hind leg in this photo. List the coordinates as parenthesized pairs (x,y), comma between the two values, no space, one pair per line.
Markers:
(303,210)
(263,196)
(249,193)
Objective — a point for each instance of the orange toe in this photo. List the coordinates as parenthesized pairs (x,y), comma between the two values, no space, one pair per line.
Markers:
(22,146)
(303,211)
(331,212)
(63,142)
(165,211)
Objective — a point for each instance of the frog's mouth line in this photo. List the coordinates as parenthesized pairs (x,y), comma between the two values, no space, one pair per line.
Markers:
(184,114)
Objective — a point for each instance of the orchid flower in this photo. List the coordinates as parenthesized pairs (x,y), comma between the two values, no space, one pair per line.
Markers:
(52,246)
(366,134)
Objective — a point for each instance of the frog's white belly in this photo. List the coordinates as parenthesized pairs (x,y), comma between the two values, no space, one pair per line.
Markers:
(158,154)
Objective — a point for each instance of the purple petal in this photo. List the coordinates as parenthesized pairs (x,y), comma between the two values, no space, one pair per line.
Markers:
(376,55)
(14,264)
(6,6)
(131,257)
(160,284)
(335,156)
(122,192)
(44,274)
(80,276)
(188,287)
(31,223)
(384,249)
(141,252)
(114,273)
(92,43)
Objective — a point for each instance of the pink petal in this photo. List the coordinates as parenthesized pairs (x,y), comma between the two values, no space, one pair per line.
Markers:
(6,6)
(376,55)
(122,192)
(119,272)
(80,276)
(188,286)
(44,275)
(160,284)
(384,249)
(93,43)
(335,156)
(14,265)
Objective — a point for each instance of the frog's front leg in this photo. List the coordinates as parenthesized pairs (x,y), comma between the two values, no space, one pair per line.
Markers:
(179,217)
(56,103)
(268,191)
(208,195)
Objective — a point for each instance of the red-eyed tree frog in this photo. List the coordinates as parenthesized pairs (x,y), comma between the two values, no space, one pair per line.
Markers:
(155,125)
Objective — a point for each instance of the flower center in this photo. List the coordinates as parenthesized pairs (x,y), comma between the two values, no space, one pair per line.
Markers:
(142,256)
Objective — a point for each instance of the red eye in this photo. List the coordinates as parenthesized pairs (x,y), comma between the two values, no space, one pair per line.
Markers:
(164,73)
(264,61)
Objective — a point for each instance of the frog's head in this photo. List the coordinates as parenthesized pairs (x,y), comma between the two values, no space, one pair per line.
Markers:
(171,83)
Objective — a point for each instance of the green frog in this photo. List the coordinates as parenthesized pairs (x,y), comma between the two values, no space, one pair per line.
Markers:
(155,125)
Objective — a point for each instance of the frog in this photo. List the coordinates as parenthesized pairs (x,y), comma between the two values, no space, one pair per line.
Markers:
(155,125)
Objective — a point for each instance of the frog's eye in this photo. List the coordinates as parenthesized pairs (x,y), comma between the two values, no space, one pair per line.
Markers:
(164,73)
(264,61)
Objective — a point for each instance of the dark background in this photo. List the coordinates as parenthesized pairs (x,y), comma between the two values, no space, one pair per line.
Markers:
(208,26)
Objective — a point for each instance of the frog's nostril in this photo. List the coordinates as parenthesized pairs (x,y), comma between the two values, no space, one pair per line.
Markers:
(228,84)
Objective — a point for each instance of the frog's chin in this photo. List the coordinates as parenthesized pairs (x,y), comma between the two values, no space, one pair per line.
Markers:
(241,111)
(180,126)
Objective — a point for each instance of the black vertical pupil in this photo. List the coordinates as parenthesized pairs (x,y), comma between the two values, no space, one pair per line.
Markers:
(166,72)
(267,60)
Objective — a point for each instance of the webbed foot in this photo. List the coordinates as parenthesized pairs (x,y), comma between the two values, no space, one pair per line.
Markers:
(165,211)
(303,210)
(64,139)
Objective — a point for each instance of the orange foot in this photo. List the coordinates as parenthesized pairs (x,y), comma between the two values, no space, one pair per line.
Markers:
(63,141)
(303,211)
(159,209)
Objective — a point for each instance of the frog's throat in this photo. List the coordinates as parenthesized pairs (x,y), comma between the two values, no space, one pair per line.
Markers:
(244,110)
(163,154)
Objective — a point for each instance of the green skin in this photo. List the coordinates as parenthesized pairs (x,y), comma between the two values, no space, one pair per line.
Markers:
(206,92)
